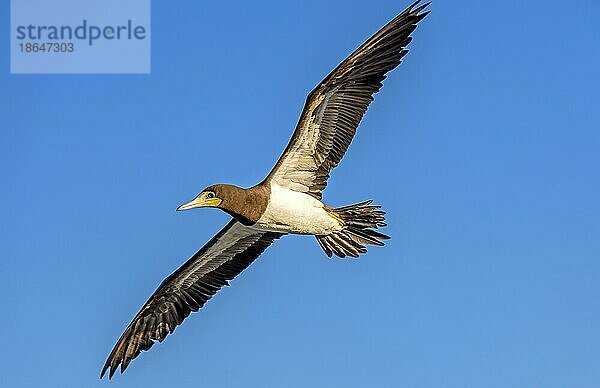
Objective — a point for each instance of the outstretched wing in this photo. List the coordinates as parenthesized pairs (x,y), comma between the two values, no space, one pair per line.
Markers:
(335,107)
(227,254)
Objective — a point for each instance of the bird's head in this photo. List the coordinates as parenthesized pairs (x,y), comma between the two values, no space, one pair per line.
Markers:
(213,196)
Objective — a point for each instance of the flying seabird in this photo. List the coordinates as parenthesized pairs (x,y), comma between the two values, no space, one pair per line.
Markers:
(288,200)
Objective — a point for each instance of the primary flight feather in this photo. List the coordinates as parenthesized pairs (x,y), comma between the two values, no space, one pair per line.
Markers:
(288,200)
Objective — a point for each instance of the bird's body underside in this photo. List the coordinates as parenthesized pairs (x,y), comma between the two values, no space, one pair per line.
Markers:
(289,200)
(340,231)
(289,211)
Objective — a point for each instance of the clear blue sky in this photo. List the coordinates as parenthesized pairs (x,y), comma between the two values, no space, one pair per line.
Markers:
(483,147)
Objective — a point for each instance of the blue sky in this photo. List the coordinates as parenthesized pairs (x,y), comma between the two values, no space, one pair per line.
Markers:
(482,147)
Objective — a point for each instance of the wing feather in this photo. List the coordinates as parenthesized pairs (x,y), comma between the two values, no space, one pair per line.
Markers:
(336,106)
(185,291)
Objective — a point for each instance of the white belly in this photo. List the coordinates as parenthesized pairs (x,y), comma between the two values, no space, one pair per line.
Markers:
(293,212)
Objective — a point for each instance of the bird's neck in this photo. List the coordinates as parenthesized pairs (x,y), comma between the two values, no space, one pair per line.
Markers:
(247,205)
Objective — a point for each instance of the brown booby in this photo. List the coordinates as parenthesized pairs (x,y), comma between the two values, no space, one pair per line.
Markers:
(288,200)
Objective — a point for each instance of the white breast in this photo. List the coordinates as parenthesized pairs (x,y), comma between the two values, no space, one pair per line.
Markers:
(294,212)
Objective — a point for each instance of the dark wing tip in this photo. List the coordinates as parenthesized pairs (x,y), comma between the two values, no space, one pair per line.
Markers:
(106,368)
(411,11)
(131,343)
(120,358)
(111,367)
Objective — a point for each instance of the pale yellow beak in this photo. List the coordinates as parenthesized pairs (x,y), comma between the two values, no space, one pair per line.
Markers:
(200,201)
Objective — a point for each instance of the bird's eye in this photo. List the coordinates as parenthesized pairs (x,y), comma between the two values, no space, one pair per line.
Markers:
(210,195)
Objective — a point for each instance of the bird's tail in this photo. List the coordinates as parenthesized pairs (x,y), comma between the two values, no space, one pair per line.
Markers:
(358,221)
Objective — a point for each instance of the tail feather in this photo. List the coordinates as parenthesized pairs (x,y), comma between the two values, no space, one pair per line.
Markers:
(325,246)
(359,221)
(368,237)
